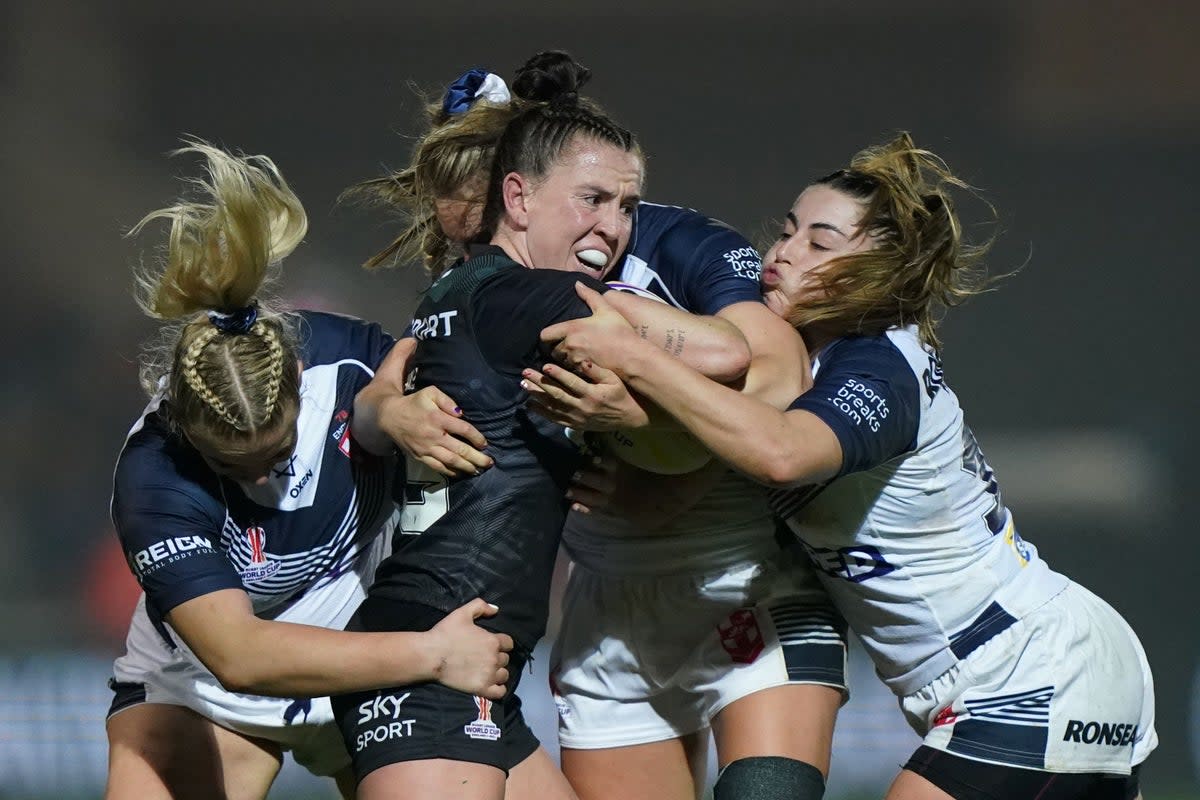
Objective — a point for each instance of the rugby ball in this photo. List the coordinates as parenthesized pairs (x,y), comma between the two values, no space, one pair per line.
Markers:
(665,452)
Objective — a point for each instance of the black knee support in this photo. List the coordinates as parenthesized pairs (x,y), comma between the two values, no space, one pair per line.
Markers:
(769,778)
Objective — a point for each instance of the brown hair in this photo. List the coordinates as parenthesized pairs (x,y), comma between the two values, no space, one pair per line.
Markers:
(555,114)
(459,149)
(455,150)
(229,358)
(919,264)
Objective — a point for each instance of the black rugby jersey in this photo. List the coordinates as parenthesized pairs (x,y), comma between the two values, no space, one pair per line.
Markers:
(694,262)
(494,535)
(187,532)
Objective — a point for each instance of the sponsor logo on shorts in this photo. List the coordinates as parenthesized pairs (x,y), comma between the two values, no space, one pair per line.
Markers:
(564,710)
(945,717)
(483,727)
(741,637)
(301,705)
(259,566)
(1115,734)
(385,710)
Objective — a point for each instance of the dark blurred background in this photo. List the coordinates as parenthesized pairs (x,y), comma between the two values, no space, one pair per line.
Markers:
(1078,121)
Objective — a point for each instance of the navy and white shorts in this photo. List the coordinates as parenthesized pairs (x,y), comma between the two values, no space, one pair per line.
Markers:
(151,671)
(646,658)
(1065,689)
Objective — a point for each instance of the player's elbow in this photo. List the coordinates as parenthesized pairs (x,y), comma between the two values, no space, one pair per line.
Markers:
(785,465)
(779,472)
(236,675)
(729,363)
(238,670)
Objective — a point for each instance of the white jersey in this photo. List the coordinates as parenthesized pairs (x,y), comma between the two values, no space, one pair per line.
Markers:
(912,539)
(700,265)
(731,524)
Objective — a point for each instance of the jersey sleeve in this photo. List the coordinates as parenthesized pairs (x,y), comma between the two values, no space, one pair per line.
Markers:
(511,310)
(866,392)
(721,266)
(328,338)
(170,530)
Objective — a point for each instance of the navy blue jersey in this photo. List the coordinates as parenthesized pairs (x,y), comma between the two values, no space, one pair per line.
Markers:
(187,531)
(867,393)
(494,535)
(692,261)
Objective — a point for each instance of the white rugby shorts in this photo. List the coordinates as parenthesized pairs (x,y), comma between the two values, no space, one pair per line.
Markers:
(647,658)
(152,672)
(1067,688)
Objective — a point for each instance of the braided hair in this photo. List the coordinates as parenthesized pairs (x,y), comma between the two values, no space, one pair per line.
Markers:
(230,359)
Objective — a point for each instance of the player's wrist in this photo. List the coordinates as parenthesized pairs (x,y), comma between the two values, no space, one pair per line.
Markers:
(430,656)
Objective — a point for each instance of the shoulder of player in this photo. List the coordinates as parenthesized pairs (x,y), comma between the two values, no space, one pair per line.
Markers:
(156,470)
(327,338)
(675,228)
(894,354)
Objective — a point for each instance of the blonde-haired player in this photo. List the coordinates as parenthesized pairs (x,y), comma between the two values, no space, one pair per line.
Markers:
(252,518)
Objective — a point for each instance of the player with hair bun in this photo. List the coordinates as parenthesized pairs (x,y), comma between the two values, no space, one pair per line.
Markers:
(762,655)
(253,519)
(1024,685)
(565,182)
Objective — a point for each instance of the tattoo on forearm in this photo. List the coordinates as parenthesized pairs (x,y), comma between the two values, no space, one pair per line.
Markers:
(644,331)
(674,342)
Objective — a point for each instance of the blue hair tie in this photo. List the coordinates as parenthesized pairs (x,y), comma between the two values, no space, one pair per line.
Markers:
(240,321)
(471,86)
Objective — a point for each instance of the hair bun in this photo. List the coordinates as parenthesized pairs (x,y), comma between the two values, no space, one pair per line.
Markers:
(551,77)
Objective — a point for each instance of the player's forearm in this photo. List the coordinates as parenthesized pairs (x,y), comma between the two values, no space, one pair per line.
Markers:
(779,370)
(710,345)
(369,422)
(744,432)
(282,659)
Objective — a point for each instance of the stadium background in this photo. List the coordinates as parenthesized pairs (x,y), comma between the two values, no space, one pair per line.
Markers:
(1078,120)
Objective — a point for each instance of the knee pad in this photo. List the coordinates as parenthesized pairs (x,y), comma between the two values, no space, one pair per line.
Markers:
(769,778)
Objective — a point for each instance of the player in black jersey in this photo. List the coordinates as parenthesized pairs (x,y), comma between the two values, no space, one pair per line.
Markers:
(565,183)
(624,728)
(253,520)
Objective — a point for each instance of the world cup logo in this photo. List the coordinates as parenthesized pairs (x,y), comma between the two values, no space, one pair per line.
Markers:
(483,727)
(257,539)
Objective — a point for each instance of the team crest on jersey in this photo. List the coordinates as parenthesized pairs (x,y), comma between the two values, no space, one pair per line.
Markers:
(260,566)
(740,636)
(341,432)
(483,727)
